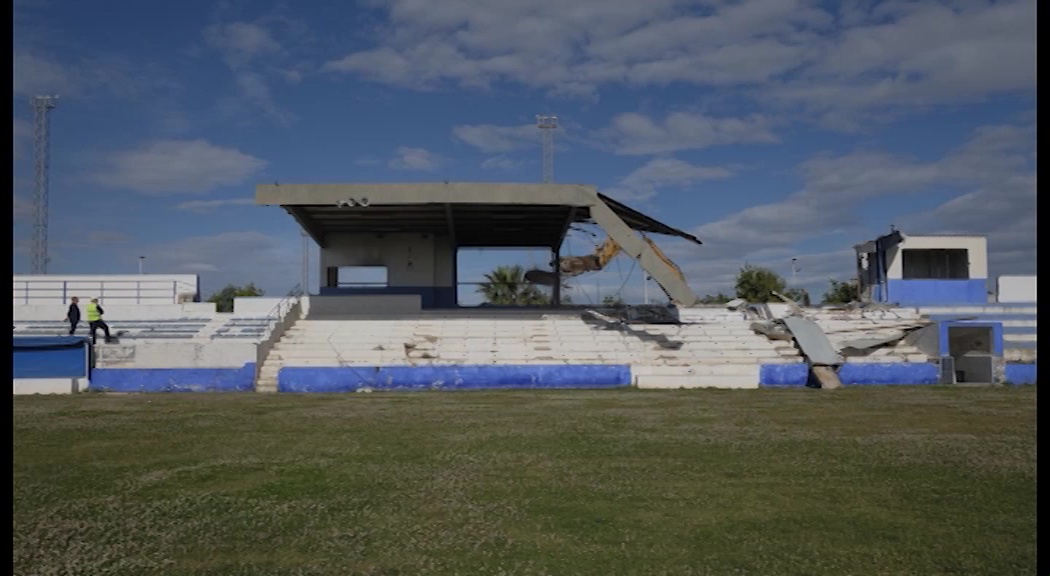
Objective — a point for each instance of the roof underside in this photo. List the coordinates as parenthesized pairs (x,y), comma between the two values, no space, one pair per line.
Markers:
(507,215)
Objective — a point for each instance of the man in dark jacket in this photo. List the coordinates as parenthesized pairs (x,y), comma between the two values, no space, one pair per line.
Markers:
(73,316)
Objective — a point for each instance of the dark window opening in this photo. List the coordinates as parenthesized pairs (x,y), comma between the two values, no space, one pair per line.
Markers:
(935,264)
(357,277)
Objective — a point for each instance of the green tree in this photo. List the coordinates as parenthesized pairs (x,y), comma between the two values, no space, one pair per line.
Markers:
(223,299)
(611,300)
(716,299)
(841,292)
(506,286)
(756,284)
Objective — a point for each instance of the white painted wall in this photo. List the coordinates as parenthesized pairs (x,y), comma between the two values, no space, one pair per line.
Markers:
(169,354)
(122,289)
(410,259)
(1016,289)
(27,386)
(976,246)
(118,312)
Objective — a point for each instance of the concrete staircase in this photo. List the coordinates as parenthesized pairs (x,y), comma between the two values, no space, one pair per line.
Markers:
(717,349)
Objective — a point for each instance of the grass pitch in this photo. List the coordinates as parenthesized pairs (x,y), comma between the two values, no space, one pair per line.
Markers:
(857,481)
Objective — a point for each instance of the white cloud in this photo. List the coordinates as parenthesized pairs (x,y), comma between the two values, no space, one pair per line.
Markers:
(645,182)
(88,76)
(635,134)
(501,163)
(993,171)
(493,139)
(247,48)
(920,54)
(207,206)
(35,74)
(415,159)
(254,88)
(833,59)
(271,262)
(240,42)
(177,167)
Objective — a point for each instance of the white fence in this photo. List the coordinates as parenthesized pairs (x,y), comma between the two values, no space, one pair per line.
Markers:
(123,290)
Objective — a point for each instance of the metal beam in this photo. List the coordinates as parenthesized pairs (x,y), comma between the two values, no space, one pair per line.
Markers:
(636,248)
(303,221)
(556,291)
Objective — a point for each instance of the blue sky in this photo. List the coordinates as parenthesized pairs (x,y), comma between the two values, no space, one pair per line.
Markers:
(771,129)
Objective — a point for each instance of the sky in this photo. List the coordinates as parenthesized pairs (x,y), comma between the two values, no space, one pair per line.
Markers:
(770,129)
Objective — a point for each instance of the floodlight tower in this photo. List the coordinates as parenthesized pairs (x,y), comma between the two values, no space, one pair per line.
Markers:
(547,125)
(42,106)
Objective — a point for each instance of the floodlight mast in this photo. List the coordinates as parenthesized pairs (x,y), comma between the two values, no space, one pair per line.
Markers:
(42,106)
(547,124)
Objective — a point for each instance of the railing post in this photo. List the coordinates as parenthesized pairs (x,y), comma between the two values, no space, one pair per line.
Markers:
(26,289)
(138,292)
(175,291)
(64,287)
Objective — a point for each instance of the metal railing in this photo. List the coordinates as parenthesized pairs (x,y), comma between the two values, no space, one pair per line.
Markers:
(281,317)
(152,291)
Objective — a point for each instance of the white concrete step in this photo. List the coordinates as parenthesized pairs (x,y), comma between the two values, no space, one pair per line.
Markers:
(1019,338)
(696,381)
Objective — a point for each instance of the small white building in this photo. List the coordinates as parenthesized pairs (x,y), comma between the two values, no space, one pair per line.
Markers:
(923,270)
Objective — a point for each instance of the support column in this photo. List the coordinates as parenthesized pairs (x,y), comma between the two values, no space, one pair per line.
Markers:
(556,292)
(666,276)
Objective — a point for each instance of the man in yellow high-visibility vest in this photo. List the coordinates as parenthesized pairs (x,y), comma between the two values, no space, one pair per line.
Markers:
(94,318)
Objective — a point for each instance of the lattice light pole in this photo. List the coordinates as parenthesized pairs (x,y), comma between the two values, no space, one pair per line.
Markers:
(42,106)
(547,125)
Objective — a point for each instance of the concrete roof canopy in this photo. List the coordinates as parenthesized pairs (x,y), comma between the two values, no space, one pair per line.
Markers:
(472,213)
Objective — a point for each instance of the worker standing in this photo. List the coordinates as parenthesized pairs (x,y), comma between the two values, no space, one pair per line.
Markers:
(95,321)
(73,315)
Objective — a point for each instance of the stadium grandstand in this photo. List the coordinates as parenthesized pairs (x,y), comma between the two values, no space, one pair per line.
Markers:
(923,315)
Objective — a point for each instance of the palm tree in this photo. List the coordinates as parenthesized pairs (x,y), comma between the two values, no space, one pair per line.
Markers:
(506,286)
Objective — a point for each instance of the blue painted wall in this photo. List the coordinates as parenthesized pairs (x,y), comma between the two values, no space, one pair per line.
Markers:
(892,373)
(778,375)
(50,357)
(430,296)
(351,378)
(783,374)
(997,334)
(1016,373)
(926,292)
(174,379)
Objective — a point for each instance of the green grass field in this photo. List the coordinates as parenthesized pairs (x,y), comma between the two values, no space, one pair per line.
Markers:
(858,481)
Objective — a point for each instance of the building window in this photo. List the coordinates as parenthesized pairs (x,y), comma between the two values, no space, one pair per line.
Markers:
(936,264)
(357,277)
